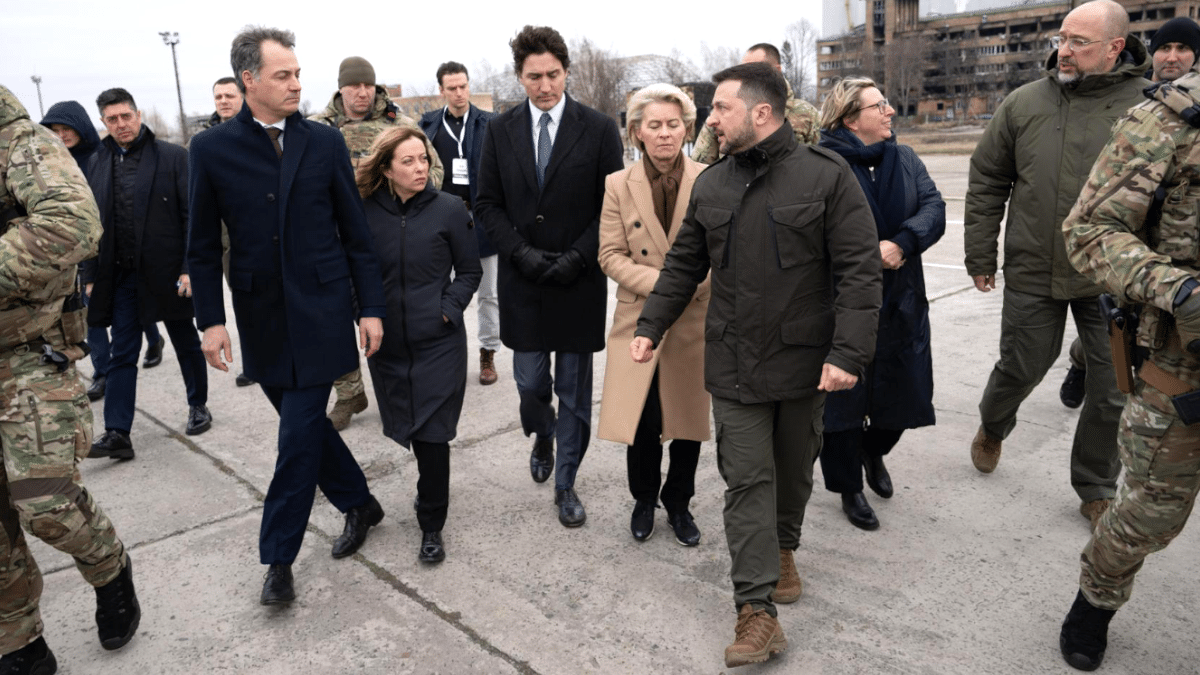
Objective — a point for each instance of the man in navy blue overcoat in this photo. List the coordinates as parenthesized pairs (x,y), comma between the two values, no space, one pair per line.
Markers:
(300,268)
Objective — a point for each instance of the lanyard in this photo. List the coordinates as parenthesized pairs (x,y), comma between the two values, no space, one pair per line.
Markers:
(459,140)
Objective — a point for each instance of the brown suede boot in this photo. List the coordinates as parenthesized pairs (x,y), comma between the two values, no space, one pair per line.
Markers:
(342,410)
(757,637)
(487,366)
(985,451)
(790,586)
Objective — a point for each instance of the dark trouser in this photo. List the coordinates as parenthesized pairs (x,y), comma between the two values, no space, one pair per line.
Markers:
(101,350)
(1031,335)
(311,455)
(765,453)
(433,484)
(842,455)
(121,391)
(572,382)
(644,460)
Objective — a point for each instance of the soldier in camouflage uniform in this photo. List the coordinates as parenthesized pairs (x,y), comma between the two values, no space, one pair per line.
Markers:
(800,113)
(1110,240)
(50,223)
(360,129)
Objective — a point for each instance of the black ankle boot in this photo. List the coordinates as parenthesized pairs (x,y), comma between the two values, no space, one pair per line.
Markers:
(117,609)
(1084,635)
(34,658)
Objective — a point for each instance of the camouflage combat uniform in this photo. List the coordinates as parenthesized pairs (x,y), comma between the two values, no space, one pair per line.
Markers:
(45,419)
(1108,242)
(800,113)
(359,137)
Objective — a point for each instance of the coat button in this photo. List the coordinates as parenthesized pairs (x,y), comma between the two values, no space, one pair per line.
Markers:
(538,219)
(275,238)
(637,224)
(643,251)
(270,197)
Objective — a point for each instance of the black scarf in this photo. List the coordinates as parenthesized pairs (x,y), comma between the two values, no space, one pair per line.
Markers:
(884,191)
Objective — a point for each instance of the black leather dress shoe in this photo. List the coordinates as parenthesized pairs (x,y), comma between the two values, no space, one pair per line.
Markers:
(277,586)
(96,391)
(878,478)
(432,550)
(686,532)
(358,521)
(199,420)
(541,460)
(112,444)
(641,524)
(859,512)
(242,381)
(570,509)
(153,354)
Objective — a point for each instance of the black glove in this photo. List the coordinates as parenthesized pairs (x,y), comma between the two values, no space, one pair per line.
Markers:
(1187,322)
(532,262)
(565,270)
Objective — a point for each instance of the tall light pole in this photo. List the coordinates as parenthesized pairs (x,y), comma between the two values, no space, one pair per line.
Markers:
(172,39)
(37,81)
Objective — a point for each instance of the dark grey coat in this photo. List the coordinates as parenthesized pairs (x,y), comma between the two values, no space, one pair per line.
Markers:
(420,370)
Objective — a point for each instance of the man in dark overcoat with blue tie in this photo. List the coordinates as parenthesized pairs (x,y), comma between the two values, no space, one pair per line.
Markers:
(300,266)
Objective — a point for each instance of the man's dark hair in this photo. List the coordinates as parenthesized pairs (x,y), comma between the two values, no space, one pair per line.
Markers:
(451,68)
(769,49)
(538,40)
(246,52)
(224,80)
(113,97)
(761,83)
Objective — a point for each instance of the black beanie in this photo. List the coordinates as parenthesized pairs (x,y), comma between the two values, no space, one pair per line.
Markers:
(1181,29)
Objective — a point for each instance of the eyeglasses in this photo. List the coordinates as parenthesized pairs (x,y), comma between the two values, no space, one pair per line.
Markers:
(882,104)
(1075,44)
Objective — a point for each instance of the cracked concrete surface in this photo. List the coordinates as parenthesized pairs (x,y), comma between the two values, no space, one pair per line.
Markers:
(968,573)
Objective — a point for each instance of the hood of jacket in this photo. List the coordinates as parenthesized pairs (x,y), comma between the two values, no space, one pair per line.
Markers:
(73,114)
(1131,62)
(335,112)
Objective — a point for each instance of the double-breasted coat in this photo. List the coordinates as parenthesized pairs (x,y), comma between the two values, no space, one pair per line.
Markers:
(300,250)
(633,246)
(562,215)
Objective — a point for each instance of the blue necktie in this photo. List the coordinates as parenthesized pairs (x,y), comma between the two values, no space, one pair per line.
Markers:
(543,148)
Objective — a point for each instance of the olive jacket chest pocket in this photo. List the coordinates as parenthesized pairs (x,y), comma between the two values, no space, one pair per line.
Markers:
(797,229)
(718,225)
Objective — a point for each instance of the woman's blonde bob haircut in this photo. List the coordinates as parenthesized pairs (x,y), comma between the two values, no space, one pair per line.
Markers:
(841,105)
(657,93)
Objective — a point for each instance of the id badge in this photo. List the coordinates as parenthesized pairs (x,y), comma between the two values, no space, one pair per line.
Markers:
(458,169)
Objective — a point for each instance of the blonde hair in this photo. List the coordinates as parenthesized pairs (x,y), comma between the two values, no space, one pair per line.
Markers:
(842,104)
(369,177)
(657,93)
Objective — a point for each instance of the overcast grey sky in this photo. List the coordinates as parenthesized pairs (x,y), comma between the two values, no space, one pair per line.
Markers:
(81,48)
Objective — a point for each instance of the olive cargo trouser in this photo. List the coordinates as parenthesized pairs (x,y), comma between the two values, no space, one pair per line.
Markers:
(765,453)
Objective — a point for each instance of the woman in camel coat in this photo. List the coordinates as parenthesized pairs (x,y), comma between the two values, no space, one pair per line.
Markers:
(645,403)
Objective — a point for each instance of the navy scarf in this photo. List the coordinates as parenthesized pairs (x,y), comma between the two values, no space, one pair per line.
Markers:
(885,193)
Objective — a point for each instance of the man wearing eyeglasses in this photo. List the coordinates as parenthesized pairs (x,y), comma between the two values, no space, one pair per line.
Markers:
(1034,156)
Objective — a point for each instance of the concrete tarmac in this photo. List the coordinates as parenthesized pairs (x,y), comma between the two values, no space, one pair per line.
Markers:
(969,573)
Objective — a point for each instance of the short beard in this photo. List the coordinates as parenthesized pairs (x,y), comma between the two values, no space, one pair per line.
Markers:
(744,140)
(1071,79)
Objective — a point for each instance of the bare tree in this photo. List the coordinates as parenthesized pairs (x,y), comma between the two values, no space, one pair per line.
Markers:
(906,60)
(679,68)
(714,59)
(800,58)
(158,124)
(597,77)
